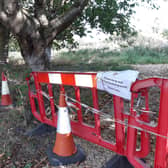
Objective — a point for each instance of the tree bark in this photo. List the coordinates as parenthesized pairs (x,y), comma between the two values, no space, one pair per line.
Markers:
(4,44)
(36,54)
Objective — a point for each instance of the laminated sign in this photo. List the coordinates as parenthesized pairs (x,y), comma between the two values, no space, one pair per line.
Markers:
(117,82)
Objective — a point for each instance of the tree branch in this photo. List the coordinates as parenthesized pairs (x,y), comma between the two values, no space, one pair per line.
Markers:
(18,20)
(40,12)
(60,23)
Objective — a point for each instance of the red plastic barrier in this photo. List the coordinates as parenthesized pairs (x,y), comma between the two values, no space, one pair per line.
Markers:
(160,130)
(136,121)
(79,128)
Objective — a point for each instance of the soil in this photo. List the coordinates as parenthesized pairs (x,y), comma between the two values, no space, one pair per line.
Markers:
(20,151)
(152,70)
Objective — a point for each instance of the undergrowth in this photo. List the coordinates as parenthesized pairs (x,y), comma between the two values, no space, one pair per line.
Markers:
(133,55)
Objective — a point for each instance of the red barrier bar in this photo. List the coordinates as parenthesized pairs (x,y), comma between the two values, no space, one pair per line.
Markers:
(161,155)
(145,137)
(160,130)
(132,155)
(119,128)
(97,117)
(77,94)
(52,105)
(40,98)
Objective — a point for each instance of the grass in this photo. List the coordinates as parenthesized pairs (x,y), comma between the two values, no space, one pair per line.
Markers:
(144,55)
(134,55)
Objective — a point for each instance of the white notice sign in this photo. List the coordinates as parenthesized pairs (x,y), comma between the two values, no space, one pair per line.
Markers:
(117,82)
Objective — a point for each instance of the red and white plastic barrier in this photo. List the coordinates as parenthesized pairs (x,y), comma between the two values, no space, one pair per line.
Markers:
(135,121)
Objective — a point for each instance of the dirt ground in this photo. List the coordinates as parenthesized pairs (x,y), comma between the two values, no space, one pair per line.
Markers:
(20,151)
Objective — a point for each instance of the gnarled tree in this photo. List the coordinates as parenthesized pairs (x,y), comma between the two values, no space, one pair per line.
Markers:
(36,23)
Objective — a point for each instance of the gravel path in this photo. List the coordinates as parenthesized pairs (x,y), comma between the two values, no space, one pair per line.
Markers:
(152,70)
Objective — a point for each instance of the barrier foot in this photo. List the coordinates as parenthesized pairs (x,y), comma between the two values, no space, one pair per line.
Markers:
(40,130)
(56,160)
(118,162)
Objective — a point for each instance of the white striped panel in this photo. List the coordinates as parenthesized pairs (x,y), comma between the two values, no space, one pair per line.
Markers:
(63,123)
(83,80)
(55,78)
(4,89)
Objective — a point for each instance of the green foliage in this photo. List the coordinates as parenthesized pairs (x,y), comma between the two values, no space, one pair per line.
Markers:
(13,44)
(108,16)
(144,55)
(28,165)
(105,59)
(17,85)
(165,33)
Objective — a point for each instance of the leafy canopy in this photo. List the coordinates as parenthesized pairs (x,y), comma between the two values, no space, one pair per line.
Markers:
(108,16)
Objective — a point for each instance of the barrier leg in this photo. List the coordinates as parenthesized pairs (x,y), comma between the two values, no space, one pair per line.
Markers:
(131,146)
(40,130)
(119,128)
(161,154)
(145,137)
(118,162)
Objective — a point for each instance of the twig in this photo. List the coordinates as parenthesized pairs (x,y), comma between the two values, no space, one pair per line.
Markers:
(2,154)
(41,161)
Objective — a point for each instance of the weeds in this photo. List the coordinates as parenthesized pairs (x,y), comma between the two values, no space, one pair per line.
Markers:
(134,55)
(144,55)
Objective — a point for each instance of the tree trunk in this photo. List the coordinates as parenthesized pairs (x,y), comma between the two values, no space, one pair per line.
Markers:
(38,61)
(36,54)
(4,44)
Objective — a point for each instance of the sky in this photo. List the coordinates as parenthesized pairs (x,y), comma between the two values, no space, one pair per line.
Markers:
(147,20)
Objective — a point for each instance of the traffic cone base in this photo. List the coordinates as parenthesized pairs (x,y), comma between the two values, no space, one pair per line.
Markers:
(118,161)
(64,145)
(56,160)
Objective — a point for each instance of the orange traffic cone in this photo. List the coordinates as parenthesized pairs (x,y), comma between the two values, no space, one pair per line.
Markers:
(65,151)
(5,99)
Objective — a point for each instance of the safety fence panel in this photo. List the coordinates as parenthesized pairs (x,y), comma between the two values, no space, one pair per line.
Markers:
(79,128)
(140,120)
(127,124)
